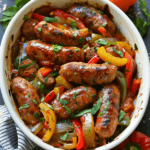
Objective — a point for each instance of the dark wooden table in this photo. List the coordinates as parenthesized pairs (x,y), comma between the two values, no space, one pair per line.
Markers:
(144,126)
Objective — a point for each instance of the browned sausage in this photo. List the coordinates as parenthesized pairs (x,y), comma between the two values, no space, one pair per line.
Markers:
(51,34)
(78,99)
(44,10)
(25,94)
(28,29)
(28,72)
(107,121)
(91,74)
(46,54)
(92,18)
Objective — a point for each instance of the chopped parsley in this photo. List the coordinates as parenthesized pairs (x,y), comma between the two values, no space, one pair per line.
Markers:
(75,35)
(75,73)
(86,88)
(85,46)
(81,40)
(41,119)
(24,106)
(42,99)
(111,43)
(64,137)
(101,12)
(93,95)
(76,49)
(26,18)
(105,109)
(29,95)
(46,79)
(48,19)
(36,115)
(26,66)
(35,102)
(64,102)
(101,42)
(83,112)
(73,25)
(118,52)
(16,63)
(39,30)
(104,24)
(122,114)
(57,98)
(69,111)
(87,96)
(57,48)
(96,107)
(74,95)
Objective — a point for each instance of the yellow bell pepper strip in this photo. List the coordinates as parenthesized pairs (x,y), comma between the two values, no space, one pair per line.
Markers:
(50,117)
(39,128)
(78,129)
(129,69)
(127,47)
(58,90)
(106,57)
(72,145)
(61,81)
(88,130)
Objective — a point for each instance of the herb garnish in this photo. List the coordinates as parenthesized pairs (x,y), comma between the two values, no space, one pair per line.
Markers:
(101,12)
(48,19)
(41,119)
(24,106)
(64,137)
(81,40)
(118,52)
(96,107)
(29,95)
(63,102)
(36,115)
(83,112)
(85,46)
(35,102)
(26,66)
(57,98)
(104,24)
(74,95)
(42,99)
(122,114)
(57,48)
(105,109)
(111,43)
(73,25)
(101,42)
(46,79)
(16,63)
(39,30)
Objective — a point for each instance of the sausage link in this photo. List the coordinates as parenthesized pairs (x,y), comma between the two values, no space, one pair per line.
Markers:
(91,74)
(25,94)
(28,29)
(51,34)
(107,120)
(29,72)
(92,18)
(45,54)
(79,98)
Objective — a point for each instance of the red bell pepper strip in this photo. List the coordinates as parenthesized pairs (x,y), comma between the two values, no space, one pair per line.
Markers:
(135,86)
(45,71)
(104,32)
(62,14)
(129,69)
(138,138)
(38,17)
(94,60)
(78,129)
(46,125)
(51,95)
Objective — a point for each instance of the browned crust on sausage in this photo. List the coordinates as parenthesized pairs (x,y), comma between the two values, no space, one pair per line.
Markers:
(91,74)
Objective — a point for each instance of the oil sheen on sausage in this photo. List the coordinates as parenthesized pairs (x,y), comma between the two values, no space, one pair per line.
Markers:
(51,34)
(91,74)
(92,18)
(46,53)
(107,120)
(25,94)
(78,99)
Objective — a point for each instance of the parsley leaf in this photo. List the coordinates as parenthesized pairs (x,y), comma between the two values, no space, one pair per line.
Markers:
(83,112)
(35,102)
(64,137)
(96,107)
(48,19)
(11,11)
(36,115)
(101,42)
(64,102)
(74,95)
(24,106)
(16,63)
(111,43)
(118,52)
(105,109)
(57,48)
(122,114)
(69,111)
(73,25)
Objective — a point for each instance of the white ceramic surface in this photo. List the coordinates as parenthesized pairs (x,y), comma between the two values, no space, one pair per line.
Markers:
(129,31)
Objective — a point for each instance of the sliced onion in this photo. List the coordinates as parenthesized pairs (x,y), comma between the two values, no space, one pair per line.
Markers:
(63,127)
(37,128)
(88,130)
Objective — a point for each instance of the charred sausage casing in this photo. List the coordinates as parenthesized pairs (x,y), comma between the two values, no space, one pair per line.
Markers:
(92,18)
(25,94)
(107,118)
(46,55)
(78,99)
(51,34)
(91,74)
